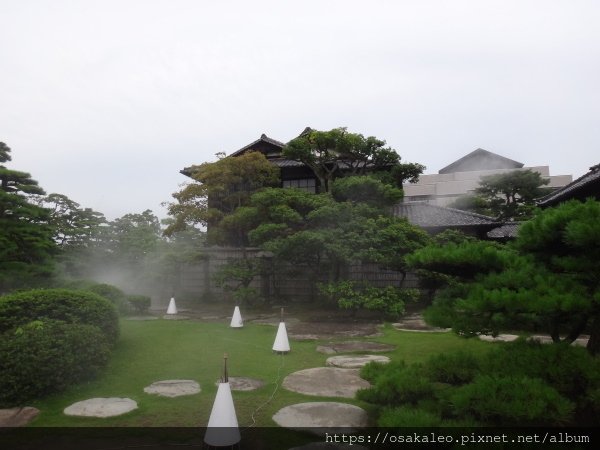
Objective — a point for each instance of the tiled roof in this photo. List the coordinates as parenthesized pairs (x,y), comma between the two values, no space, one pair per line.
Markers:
(481,154)
(581,185)
(507,231)
(281,162)
(432,216)
(263,138)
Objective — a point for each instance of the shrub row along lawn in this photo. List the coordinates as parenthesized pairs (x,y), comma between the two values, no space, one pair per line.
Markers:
(149,351)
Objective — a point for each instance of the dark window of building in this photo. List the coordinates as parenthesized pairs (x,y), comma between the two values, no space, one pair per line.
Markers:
(306,184)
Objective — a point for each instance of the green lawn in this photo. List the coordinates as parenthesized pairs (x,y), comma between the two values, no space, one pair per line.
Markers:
(150,351)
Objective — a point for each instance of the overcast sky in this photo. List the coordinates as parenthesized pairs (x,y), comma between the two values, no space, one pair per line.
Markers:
(106,100)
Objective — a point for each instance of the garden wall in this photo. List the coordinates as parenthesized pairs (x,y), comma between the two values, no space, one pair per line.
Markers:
(195,282)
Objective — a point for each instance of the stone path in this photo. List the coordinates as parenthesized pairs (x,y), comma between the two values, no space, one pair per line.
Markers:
(17,417)
(582,341)
(354,346)
(326,382)
(243,383)
(415,322)
(101,407)
(321,417)
(355,361)
(173,388)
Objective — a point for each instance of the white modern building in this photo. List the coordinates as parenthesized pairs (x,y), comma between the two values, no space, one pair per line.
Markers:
(463,176)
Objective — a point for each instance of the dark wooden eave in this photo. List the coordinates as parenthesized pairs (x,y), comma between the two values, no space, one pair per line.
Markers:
(587,185)
(262,139)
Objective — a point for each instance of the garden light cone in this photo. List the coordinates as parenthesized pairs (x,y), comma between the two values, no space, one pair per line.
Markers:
(236,320)
(172,309)
(222,429)
(281,344)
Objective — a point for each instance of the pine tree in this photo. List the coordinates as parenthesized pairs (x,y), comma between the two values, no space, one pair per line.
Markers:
(26,244)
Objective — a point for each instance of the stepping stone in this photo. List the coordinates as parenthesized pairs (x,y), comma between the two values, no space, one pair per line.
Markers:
(355,362)
(326,382)
(17,417)
(354,346)
(243,384)
(499,338)
(321,417)
(173,388)
(101,407)
(415,322)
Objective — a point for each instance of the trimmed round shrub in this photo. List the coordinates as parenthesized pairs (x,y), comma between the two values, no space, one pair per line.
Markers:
(512,400)
(140,303)
(112,293)
(46,356)
(77,307)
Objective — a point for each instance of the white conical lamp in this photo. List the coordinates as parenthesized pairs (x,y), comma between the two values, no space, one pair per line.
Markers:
(281,344)
(172,309)
(222,429)
(236,319)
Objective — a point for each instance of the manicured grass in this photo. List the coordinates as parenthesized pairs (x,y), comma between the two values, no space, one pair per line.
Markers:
(149,351)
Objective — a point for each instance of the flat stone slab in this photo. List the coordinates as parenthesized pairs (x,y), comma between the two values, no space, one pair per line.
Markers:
(321,417)
(17,417)
(326,382)
(101,407)
(499,338)
(354,346)
(173,388)
(415,322)
(355,361)
(243,383)
(142,318)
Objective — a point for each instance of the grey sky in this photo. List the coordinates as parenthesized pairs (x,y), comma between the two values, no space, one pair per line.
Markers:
(105,101)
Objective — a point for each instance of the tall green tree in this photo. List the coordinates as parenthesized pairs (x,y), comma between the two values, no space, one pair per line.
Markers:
(335,152)
(134,236)
(220,188)
(506,196)
(26,245)
(79,234)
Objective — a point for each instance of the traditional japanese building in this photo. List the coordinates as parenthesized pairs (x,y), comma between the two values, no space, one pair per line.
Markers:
(293,173)
(584,187)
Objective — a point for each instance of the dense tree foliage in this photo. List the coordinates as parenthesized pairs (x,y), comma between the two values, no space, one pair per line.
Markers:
(26,245)
(333,153)
(506,196)
(515,384)
(547,281)
(320,235)
(219,189)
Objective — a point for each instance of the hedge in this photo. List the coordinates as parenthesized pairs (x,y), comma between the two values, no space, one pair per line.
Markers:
(77,307)
(46,356)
